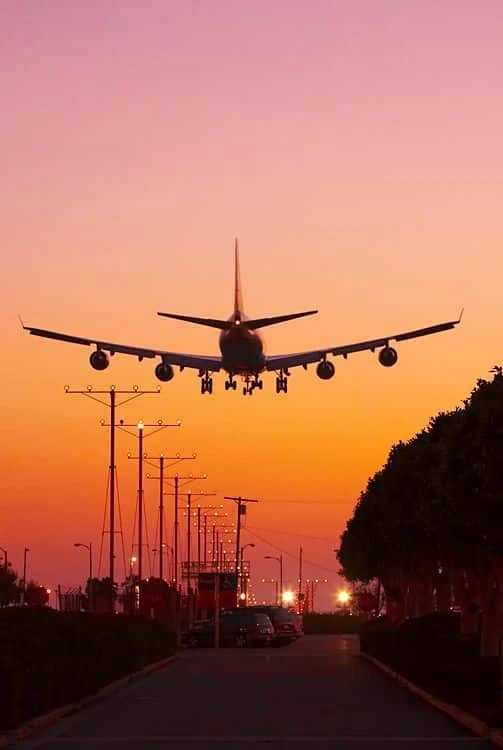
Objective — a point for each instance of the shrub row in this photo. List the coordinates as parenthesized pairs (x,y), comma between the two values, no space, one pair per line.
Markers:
(432,653)
(329,623)
(50,658)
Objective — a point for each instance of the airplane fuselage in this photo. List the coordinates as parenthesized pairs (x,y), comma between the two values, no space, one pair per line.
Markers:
(241,348)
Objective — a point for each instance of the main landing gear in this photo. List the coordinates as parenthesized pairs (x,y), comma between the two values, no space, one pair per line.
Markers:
(230,384)
(282,381)
(206,382)
(250,386)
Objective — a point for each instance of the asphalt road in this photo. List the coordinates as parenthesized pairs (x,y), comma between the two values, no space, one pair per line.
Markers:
(315,693)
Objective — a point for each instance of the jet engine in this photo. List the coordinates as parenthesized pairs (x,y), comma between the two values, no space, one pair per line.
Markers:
(388,356)
(99,360)
(164,372)
(325,370)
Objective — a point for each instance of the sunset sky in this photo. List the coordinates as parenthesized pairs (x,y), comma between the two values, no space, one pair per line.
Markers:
(355,149)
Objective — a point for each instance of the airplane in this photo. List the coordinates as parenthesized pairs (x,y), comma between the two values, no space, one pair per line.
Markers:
(241,348)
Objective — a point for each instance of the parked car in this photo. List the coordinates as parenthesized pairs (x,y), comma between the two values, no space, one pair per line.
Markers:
(238,627)
(287,625)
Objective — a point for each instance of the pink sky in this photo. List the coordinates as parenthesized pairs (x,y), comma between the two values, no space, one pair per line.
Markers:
(354,148)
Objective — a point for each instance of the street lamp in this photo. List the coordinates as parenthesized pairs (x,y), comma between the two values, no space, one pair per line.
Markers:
(280,560)
(89,547)
(4,558)
(244,580)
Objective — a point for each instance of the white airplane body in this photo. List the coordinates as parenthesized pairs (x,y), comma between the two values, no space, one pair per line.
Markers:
(241,349)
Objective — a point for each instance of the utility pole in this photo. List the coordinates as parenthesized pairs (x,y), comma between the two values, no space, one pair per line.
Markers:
(300,607)
(241,505)
(26,550)
(142,435)
(112,393)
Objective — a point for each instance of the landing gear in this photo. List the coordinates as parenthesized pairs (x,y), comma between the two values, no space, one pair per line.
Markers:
(282,382)
(230,384)
(206,383)
(250,386)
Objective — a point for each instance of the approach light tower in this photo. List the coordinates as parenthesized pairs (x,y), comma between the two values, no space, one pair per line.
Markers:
(241,503)
(142,435)
(112,404)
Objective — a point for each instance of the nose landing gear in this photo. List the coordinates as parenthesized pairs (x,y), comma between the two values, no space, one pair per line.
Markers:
(250,386)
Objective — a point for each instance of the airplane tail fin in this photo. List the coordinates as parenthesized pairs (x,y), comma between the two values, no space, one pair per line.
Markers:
(238,297)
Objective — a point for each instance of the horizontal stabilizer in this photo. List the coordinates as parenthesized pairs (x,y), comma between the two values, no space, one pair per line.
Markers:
(222,325)
(263,322)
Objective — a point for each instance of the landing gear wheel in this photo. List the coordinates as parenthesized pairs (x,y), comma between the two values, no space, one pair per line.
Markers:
(206,384)
(230,384)
(281,384)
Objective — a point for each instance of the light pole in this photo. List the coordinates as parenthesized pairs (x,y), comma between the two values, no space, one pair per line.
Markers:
(244,579)
(4,558)
(280,560)
(89,547)
(26,550)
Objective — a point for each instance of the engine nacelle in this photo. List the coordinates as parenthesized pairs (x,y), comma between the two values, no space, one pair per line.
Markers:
(164,372)
(325,370)
(99,360)
(388,356)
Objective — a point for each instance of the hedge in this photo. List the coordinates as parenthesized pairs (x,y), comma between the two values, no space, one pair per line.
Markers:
(50,658)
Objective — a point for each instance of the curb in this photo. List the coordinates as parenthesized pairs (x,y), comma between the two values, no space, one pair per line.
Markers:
(470,722)
(52,717)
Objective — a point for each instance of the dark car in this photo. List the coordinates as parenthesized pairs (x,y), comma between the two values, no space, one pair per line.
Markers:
(287,625)
(238,627)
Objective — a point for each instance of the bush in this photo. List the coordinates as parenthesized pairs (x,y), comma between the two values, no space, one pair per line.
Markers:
(51,658)
(431,652)
(329,623)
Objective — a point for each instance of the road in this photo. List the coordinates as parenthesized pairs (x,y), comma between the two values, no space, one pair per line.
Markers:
(316,693)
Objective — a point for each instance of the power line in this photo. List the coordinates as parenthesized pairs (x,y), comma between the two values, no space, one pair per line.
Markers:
(303,536)
(289,554)
(313,502)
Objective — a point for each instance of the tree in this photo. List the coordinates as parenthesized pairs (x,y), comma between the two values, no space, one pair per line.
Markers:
(9,586)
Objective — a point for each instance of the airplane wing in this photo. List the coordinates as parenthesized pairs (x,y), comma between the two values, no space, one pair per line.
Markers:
(196,361)
(284,361)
